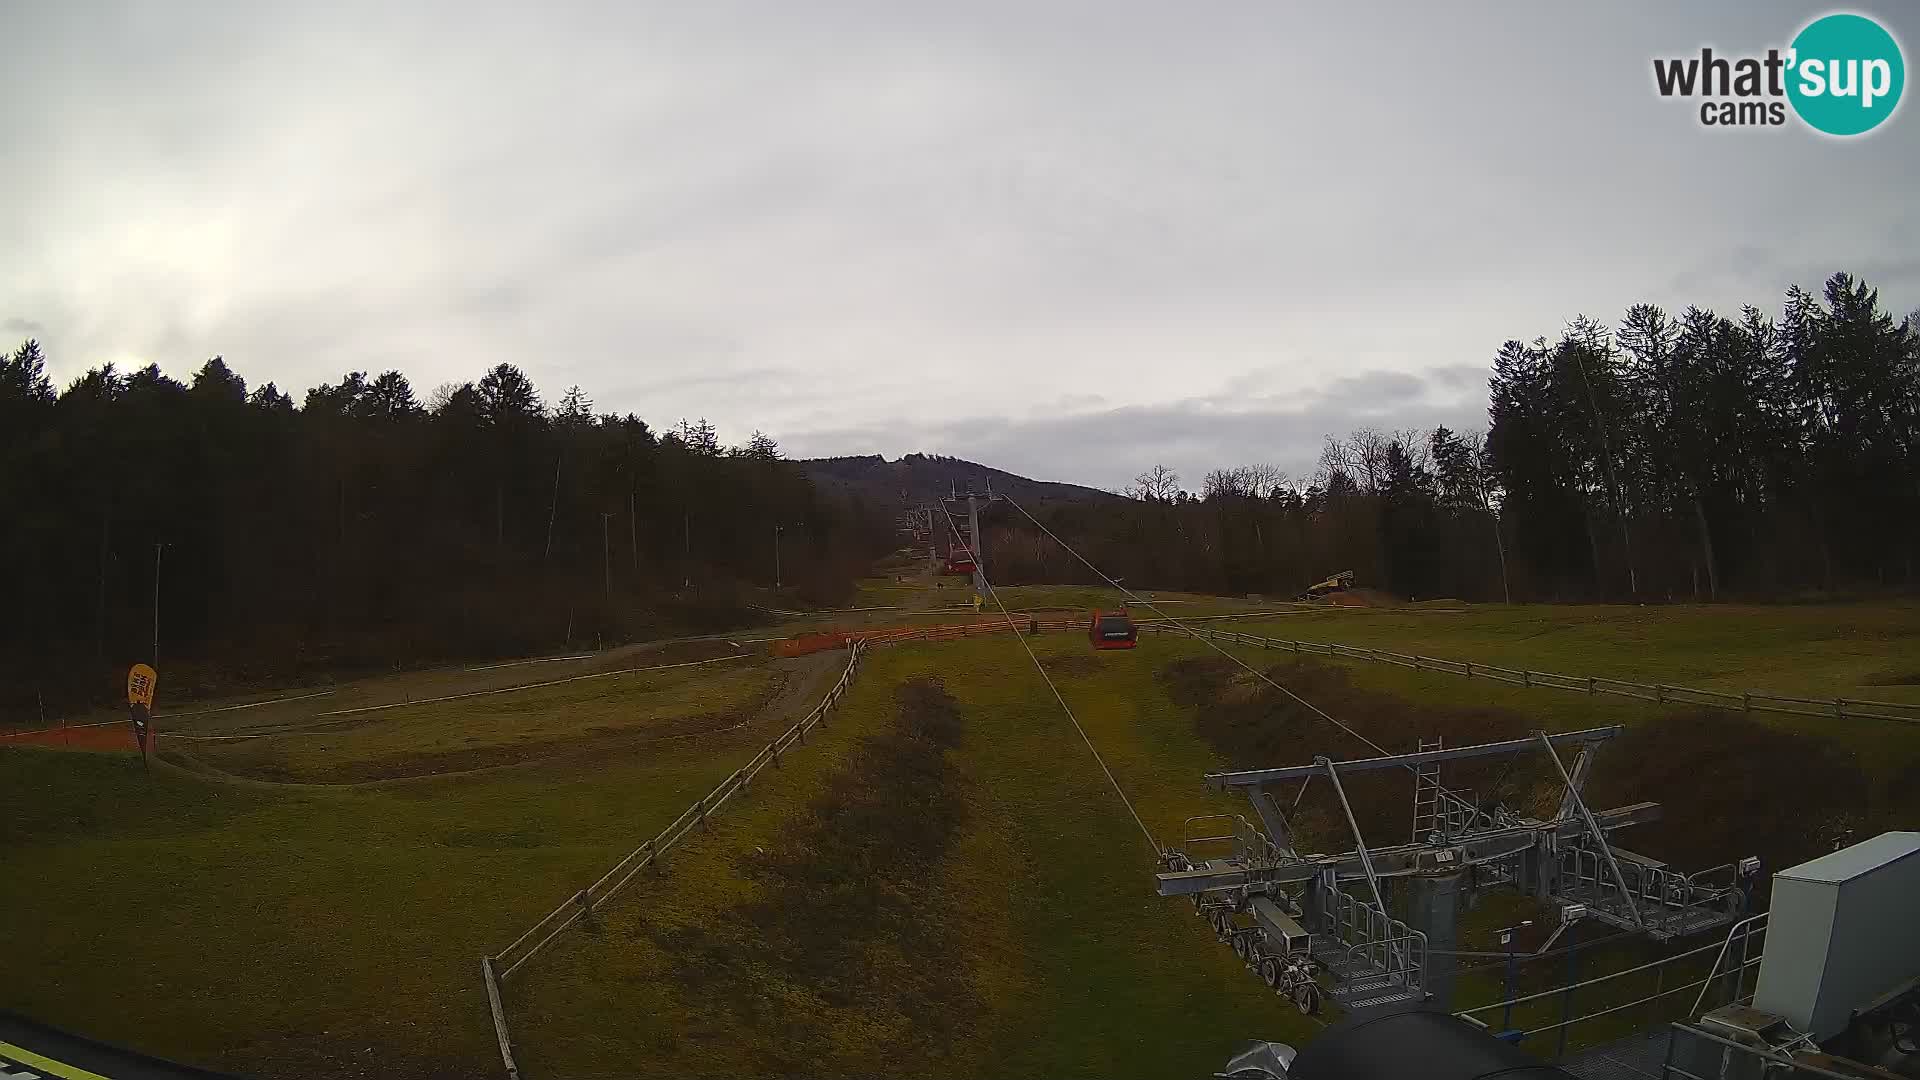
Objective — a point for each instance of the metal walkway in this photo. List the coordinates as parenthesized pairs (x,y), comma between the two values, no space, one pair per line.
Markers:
(1640,1056)
(1358,983)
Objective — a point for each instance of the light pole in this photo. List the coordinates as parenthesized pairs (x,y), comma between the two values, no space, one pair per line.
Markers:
(777,530)
(157,547)
(606,554)
(1506,942)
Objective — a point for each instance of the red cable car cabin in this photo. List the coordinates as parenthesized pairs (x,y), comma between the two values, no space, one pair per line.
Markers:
(1113,630)
(959,561)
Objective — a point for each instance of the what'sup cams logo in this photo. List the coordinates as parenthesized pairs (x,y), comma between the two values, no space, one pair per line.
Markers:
(1842,75)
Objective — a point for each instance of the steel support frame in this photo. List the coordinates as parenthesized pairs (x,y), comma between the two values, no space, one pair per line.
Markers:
(1263,777)
(1401,860)
(1359,842)
(1593,828)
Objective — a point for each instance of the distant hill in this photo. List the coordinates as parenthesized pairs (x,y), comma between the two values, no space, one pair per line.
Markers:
(917,479)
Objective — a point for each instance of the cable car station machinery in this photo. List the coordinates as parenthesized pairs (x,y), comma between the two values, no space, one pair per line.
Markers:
(1291,916)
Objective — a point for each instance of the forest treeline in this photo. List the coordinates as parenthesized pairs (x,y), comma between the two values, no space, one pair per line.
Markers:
(363,527)
(1763,456)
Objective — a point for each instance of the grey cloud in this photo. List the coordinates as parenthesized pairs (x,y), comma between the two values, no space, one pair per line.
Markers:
(17,325)
(867,218)
(1108,448)
(1370,392)
(1456,377)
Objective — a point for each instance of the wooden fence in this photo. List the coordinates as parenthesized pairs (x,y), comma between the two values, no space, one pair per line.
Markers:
(1750,701)
(498,967)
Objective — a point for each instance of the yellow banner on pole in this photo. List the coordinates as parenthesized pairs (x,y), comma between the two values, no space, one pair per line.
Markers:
(141,681)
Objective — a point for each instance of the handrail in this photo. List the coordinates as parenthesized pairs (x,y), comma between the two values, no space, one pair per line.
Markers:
(1722,955)
(1570,1021)
(1590,982)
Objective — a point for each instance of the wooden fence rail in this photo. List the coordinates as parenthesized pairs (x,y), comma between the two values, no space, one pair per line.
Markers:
(498,967)
(1752,701)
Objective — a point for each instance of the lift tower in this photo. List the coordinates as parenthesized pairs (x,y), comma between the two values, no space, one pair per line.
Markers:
(971,502)
(1264,896)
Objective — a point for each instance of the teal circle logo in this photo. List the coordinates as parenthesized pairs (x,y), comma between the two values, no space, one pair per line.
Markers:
(1846,74)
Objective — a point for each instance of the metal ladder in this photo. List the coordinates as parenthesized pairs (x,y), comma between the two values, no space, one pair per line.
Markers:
(1426,793)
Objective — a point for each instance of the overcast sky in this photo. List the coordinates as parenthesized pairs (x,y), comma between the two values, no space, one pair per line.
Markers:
(1065,239)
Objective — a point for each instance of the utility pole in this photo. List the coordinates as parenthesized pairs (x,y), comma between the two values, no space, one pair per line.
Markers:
(686,550)
(633,534)
(100,606)
(553,508)
(979,549)
(157,546)
(776,556)
(606,553)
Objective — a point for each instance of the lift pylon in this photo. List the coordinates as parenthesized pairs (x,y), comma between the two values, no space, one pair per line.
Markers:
(1345,900)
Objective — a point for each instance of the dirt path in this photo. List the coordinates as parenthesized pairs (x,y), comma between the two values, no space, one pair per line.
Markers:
(805,681)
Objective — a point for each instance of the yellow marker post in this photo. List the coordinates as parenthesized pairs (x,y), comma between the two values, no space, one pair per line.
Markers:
(142,681)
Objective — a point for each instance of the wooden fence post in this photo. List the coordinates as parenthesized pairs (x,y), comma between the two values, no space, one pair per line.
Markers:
(1589,686)
(1660,693)
(1746,702)
(1526,677)
(499,1018)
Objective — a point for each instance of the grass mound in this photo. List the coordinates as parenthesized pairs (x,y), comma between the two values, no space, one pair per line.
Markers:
(1729,786)
(1251,724)
(1732,787)
(836,923)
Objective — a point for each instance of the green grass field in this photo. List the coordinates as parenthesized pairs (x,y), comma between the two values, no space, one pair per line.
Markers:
(295,931)
(622,711)
(326,929)
(1047,895)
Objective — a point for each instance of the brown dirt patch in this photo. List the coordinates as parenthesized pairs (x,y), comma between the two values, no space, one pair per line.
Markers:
(114,736)
(1363,598)
(678,652)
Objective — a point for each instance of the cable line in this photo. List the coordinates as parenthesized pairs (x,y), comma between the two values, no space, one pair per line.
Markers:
(1197,636)
(1064,707)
